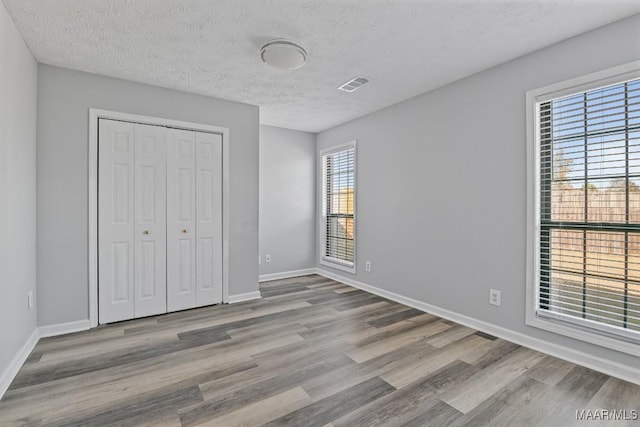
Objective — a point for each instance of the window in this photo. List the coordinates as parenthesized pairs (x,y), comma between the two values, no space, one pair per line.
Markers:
(587,230)
(338,207)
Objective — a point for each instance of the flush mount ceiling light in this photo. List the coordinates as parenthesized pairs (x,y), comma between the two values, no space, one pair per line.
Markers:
(283,54)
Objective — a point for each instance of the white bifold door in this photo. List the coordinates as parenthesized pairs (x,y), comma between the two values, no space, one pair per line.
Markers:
(159,220)
(194,219)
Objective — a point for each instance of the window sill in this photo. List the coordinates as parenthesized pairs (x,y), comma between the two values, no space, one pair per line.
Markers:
(339,265)
(583,334)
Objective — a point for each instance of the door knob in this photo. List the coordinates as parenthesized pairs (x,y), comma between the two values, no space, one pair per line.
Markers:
(184,231)
(146,232)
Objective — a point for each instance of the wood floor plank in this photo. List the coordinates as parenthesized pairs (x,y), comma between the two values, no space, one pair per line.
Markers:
(94,336)
(215,318)
(95,363)
(262,411)
(106,391)
(349,376)
(474,354)
(149,408)
(268,329)
(86,350)
(438,414)
(345,289)
(408,372)
(395,329)
(312,351)
(394,409)
(616,394)
(335,406)
(550,370)
(395,317)
(509,406)
(449,336)
(369,312)
(301,350)
(216,403)
(480,386)
(449,375)
(337,328)
(192,361)
(582,383)
(498,351)
(362,354)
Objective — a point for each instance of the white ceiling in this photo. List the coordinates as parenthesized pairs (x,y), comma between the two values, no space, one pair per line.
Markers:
(404,47)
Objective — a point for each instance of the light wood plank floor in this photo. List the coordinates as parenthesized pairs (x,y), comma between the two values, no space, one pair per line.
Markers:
(311,352)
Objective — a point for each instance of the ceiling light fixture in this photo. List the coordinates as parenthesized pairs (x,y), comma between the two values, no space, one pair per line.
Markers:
(283,54)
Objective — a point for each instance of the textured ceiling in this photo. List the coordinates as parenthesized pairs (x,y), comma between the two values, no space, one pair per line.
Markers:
(404,47)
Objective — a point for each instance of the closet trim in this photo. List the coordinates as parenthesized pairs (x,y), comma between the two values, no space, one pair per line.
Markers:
(94,116)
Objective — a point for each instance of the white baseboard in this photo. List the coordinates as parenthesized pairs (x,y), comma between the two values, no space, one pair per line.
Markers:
(16,363)
(244,297)
(286,274)
(624,372)
(64,328)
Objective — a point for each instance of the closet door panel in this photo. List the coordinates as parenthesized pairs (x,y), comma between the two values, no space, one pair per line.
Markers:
(150,214)
(116,213)
(209,218)
(181,219)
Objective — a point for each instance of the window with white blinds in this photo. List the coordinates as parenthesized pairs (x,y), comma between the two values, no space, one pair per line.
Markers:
(338,211)
(589,209)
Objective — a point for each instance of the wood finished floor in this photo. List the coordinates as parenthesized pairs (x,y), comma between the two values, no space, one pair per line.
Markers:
(311,352)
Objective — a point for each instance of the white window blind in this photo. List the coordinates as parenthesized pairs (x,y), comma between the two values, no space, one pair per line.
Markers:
(589,202)
(339,206)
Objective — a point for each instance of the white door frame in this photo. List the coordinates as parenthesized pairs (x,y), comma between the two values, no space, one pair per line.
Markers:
(94,115)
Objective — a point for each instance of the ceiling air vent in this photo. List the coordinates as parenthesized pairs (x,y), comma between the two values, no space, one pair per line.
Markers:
(353,84)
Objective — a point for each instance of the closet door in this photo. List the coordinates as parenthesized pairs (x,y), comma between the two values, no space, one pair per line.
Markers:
(116,220)
(150,221)
(209,219)
(181,219)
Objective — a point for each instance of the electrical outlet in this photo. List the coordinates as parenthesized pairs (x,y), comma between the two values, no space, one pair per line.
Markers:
(367,266)
(495,297)
(267,258)
(30,300)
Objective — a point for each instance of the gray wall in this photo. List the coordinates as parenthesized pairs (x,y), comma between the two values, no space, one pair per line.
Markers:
(441,183)
(64,100)
(18,85)
(287,199)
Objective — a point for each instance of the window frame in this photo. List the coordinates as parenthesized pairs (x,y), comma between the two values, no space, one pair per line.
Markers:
(556,324)
(328,261)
